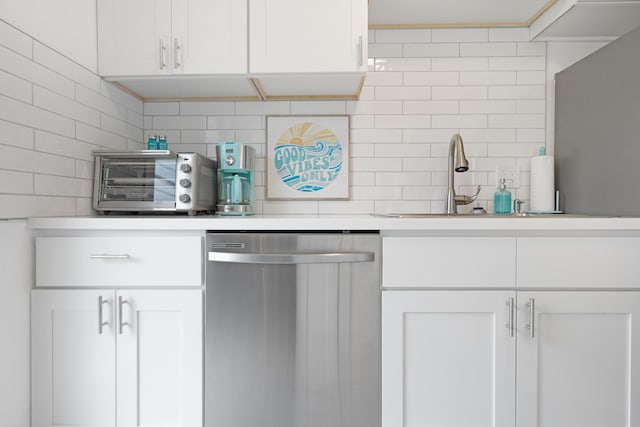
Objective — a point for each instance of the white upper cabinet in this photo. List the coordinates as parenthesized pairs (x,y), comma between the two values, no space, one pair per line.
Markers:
(162,37)
(308,36)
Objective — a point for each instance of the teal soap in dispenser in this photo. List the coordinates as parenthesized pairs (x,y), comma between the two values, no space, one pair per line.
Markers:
(502,199)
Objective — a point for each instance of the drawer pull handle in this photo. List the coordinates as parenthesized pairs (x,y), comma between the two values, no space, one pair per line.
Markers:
(101,323)
(121,303)
(109,256)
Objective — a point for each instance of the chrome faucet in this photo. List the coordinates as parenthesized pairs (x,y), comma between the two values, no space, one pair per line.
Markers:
(456,149)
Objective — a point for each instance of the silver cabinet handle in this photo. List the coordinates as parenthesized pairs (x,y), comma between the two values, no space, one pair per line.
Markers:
(101,323)
(360,52)
(121,303)
(109,256)
(511,316)
(177,52)
(163,55)
(285,258)
(532,315)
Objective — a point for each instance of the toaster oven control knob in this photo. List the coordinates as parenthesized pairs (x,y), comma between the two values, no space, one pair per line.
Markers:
(184,198)
(185,168)
(185,183)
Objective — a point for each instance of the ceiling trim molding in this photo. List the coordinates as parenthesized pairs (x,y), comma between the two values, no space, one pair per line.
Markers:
(526,23)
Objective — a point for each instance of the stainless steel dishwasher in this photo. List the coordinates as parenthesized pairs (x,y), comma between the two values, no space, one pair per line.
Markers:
(292,330)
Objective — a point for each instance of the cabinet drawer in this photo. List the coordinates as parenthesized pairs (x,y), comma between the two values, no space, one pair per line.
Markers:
(466,262)
(119,261)
(578,262)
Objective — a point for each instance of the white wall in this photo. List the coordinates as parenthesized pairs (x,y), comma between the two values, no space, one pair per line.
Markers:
(491,85)
(67,26)
(53,113)
(16,265)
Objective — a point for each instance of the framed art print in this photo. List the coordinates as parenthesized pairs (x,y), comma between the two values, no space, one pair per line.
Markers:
(307,157)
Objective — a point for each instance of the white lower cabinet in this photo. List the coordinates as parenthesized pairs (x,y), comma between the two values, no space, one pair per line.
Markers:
(125,358)
(449,359)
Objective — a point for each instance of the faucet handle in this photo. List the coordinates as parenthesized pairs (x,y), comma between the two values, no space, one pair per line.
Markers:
(462,199)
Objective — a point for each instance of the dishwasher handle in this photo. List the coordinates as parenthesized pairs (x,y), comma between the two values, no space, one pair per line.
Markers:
(291,258)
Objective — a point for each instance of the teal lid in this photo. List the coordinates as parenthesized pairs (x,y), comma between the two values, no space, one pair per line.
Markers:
(543,151)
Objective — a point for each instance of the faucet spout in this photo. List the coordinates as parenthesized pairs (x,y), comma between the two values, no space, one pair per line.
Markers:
(457,163)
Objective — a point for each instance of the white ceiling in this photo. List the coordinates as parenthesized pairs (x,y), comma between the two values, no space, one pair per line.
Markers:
(453,12)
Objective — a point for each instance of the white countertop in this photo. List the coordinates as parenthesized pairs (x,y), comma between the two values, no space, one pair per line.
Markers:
(355,222)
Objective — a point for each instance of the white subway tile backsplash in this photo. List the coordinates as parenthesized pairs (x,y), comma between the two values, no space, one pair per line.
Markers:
(431,107)
(460,64)
(530,106)
(268,108)
(105,139)
(471,149)
(526,121)
(15,40)
(67,107)
(376,193)
(489,135)
(12,182)
(458,35)
(517,92)
(133,118)
(405,206)
(318,107)
(402,92)
(234,122)
(488,78)
(48,185)
(531,77)
(180,122)
(434,78)
(64,66)
(508,34)
(202,109)
(362,150)
(374,107)
(84,169)
(530,135)
(488,49)
(402,64)
(16,135)
(424,192)
(385,50)
(461,121)
(408,35)
(402,150)
(121,97)
(487,107)
(18,159)
(403,121)
(361,121)
(100,102)
(363,178)
(519,63)
(424,164)
(206,136)
(15,87)
(277,207)
(30,116)
(402,178)
(431,50)
(64,146)
(166,109)
(427,135)
(377,79)
(376,135)
(365,164)
(347,207)
(513,150)
(24,206)
(121,128)
(532,49)
(26,69)
(459,92)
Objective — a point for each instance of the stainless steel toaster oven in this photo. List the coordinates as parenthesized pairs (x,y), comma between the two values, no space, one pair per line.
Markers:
(154,181)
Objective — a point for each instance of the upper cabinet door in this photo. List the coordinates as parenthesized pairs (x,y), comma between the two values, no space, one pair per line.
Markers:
(134,37)
(307,36)
(209,36)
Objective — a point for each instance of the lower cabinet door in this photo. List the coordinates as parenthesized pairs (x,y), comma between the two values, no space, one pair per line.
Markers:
(73,380)
(578,359)
(160,358)
(448,358)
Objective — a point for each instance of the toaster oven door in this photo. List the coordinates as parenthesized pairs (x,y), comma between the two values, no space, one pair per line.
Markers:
(137,182)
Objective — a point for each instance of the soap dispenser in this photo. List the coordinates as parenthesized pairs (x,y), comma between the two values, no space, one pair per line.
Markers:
(502,199)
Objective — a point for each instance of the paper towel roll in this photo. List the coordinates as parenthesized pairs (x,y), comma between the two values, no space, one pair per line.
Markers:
(542,184)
